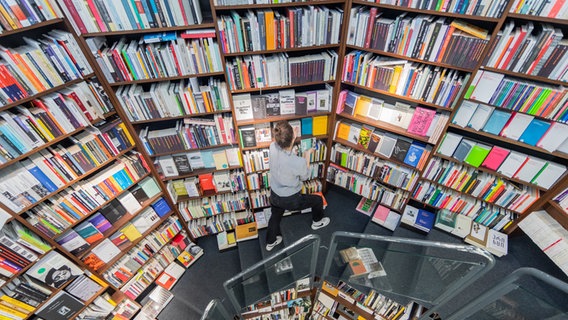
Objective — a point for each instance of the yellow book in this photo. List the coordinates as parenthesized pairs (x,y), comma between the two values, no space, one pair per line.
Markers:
(41,126)
(246,231)
(395,78)
(131,232)
(96,279)
(329,288)
(8,18)
(122,126)
(231,238)
(17,303)
(270,32)
(442,76)
(470,28)
(362,106)
(142,65)
(343,131)
(13,312)
(11,306)
(495,189)
(319,125)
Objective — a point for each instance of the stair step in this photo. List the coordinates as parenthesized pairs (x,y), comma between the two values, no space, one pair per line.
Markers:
(255,288)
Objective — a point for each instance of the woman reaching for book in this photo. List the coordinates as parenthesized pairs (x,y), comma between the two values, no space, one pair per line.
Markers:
(287,171)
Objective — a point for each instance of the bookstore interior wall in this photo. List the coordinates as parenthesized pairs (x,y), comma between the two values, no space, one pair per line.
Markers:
(131,128)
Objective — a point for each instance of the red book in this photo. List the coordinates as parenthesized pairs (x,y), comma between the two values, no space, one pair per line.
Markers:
(495,157)
(206,183)
(370,25)
(71,8)
(97,15)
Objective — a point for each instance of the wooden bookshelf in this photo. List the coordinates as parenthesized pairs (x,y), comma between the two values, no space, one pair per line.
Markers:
(204,25)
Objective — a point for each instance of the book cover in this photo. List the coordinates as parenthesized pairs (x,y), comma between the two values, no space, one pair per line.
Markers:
(446,220)
(449,144)
(350,103)
(374,142)
(366,206)
(497,243)
(495,158)
(496,122)
(365,136)
(248,138)
(464,113)
(307,126)
(181,163)
(259,106)
(61,306)
(242,104)
(72,242)
(516,125)
(414,154)
(89,232)
(534,132)
(272,104)
(319,125)
(421,121)
(54,270)
(113,211)
(477,235)
(463,149)
(287,101)
(480,117)
(401,148)
(106,250)
(387,145)
(425,220)
(380,215)
(206,183)
(477,155)
(301,104)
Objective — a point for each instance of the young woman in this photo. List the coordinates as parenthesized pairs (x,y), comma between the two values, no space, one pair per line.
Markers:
(287,171)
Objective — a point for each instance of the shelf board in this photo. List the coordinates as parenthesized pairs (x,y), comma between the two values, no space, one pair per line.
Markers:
(431,12)
(388,185)
(34,26)
(138,122)
(386,93)
(526,76)
(537,18)
(278,5)
(150,30)
(197,172)
(360,148)
(237,91)
(163,79)
(511,141)
(282,117)
(189,150)
(294,49)
(398,56)
(558,213)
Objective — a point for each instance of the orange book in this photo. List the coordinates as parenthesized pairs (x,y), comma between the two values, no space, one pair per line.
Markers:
(14,23)
(64,214)
(498,61)
(245,77)
(371,78)
(445,44)
(291,18)
(21,64)
(553,104)
(270,32)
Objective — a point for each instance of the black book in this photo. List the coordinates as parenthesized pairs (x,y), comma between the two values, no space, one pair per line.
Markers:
(61,307)
(400,149)
(259,106)
(301,104)
(139,194)
(248,138)
(182,163)
(113,211)
(272,104)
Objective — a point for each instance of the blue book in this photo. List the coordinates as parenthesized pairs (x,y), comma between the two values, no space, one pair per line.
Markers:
(425,220)
(536,129)
(8,134)
(130,15)
(207,158)
(161,207)
(414,153)
(123,182)
(307,126)
(41,177)
(496,122)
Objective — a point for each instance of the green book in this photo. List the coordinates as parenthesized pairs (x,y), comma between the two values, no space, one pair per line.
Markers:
(477,154)
(149,186)
(446,220)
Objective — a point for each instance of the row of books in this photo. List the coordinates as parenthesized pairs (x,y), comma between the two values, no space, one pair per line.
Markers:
(379,214)
(216,224)
(106,250)
(244,2)
(25,13)
(518,95)
(547,9)
(259,198)
(16,252)
(183,164)
(270,30)
(479,184)
(190,133)
(548,235)
(207,184)
(366,187)
(281,103)
(128,60)
(102,306)
(279,300)
(315,184)
(173,99)
(526,49)
(417,81)
(256,160)
(150,247)
(368,165)
(417,120)
(385,144)
(258,180)
(259,71)
(484,8)
(107,16)
(94,229)
(511,164)
(48,62)
(442,40)
(550,136)
(214,205)
(446,198)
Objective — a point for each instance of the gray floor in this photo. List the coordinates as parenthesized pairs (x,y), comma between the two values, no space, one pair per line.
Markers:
(203,281)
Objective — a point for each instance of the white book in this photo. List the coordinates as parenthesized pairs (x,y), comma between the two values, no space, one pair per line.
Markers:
(480,117)
(106,250)
(243,107)
(168,166)
(517,126)
(486,86)
(497,243)
(513,162)
(465,113)
(549,175)
(287,101)
(129,202)
(529,169)
(556,134)
(449,144)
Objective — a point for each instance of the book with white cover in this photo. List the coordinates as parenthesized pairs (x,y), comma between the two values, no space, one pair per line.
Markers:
(549,175)
(517,126)
(480,117)
(486,86)
(497,243)
(243,107)
(465,113)
(556,134)
(529,170)
(449,144)
(513,162)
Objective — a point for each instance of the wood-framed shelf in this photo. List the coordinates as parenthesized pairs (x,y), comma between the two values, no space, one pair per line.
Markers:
(465,194)
(525,76)
(53,293)
(511,141)
(216,214)
(511,110)
(537,18)
(495,173)
(385,126)
(398,56)
(139,122)
(386,184)
(88,302)
(221,145)
(149,259)
(119,223)
(557,212)
(396,96)
(382,204)
(269,119)
(359,148)
(70,183)
(187,198)
(163,79)
(431,12)
(197,172)
(24,269)
(109,264)
(208,24)
(277,5)
(237,91)
(294,49)
(33,26)
(45,92)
